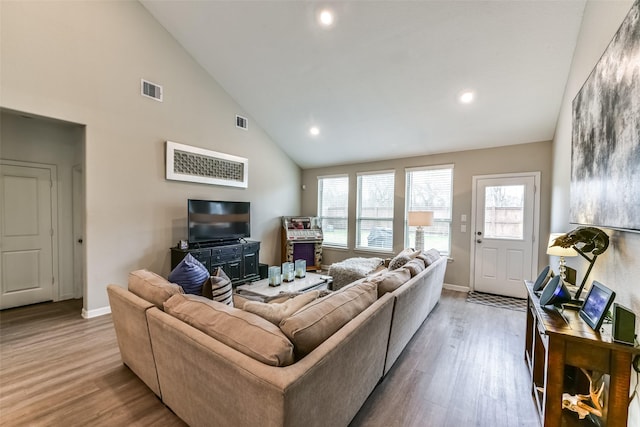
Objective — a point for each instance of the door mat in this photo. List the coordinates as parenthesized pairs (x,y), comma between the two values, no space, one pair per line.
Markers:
(498,301)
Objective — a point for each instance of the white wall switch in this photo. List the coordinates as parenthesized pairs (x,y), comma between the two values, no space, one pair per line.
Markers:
(463,218)
(463,228)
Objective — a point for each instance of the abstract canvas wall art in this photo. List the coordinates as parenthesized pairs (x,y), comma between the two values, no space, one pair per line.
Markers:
(605,149)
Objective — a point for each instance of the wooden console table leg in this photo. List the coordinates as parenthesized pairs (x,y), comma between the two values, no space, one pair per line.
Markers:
(618,404)
(554,382)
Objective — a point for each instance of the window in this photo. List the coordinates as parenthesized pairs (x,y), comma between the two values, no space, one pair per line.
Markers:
(374,218)
(431,189)
(333,203)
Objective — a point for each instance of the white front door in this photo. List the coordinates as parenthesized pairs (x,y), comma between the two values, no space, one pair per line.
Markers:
(26,246)
(505,226)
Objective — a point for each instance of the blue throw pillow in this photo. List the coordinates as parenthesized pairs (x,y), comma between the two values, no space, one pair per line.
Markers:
(190,274)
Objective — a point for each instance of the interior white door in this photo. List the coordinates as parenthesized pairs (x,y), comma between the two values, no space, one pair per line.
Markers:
(505,210)
(26,248)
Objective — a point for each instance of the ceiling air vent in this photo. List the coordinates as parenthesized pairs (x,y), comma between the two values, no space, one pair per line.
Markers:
(151,90)
(242,122)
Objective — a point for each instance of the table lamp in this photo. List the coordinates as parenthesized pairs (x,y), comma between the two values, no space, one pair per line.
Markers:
(420,219)
(560,252)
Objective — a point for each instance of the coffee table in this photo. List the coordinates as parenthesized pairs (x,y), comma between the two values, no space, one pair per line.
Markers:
(261,288)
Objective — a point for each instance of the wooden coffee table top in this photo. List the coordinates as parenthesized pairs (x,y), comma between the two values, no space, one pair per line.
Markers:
(262,288)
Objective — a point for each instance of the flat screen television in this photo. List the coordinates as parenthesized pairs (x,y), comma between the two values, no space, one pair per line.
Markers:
(212,221)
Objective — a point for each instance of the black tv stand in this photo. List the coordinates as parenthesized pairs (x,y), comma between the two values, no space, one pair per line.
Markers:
(239,260)
(214,243)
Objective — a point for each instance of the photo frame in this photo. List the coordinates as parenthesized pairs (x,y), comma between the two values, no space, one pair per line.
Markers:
(596,305)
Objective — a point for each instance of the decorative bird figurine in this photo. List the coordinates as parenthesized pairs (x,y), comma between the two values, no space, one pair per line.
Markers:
(590,239)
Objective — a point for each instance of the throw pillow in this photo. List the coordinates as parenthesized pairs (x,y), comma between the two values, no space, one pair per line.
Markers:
(391,280)
(314,323)
(415,266)
(402,258)
(218,288)
(430,256)
(151,287)
(190,274)
(276,312)
(238,329)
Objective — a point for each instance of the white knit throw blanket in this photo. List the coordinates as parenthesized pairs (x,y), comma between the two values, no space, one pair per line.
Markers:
(352,269)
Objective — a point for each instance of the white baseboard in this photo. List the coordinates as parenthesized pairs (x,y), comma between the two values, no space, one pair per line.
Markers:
(88,314)
(457,288)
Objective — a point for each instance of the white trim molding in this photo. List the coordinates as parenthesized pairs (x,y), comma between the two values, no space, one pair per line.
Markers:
(88,314)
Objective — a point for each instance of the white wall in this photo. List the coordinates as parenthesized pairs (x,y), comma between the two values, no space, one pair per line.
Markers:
(531,157)
(82,62)
(619,267)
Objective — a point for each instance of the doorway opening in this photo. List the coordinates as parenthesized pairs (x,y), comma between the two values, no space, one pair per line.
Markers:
(42,158)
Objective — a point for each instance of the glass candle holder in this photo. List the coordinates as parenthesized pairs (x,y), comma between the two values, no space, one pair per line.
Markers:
(301,268)
(274,276)
(287,272)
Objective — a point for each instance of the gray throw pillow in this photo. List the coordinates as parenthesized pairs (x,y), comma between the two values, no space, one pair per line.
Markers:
(430,256)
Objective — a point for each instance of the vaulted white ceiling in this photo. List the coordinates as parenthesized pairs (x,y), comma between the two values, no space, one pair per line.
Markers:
(383,81)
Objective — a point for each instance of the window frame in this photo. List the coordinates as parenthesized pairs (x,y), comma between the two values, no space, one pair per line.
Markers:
(321,217)
(360,218)
(437,219)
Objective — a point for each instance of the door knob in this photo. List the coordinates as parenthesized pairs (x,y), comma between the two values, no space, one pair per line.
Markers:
(479,241)
(80,240)
(479,233)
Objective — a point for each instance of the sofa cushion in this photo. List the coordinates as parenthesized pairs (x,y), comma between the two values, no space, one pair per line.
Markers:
(415,266)
(314,323)
(245,332)
(275,312)
(391,280)
(190,274)
(402,258)
(430,256)
(218,288)
(151,287)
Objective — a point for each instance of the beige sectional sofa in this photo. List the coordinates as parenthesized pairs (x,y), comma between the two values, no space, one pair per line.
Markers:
(206,382)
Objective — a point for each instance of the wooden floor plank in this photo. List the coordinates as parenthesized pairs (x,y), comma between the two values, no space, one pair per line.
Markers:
(464,367)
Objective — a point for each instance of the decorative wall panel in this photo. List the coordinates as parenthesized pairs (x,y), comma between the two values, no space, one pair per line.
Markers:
(193,164)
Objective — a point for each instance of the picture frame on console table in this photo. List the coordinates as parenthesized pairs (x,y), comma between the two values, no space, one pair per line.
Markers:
(596,305)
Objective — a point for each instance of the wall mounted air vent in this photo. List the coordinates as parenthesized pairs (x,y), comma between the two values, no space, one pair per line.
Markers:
(151,90)
(242,122)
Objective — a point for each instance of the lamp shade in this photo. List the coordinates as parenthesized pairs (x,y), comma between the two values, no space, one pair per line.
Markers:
(420,218)
(559,250)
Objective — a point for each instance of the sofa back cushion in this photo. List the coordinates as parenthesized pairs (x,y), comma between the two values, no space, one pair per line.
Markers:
(275,312)
(151,287)
(245,332)
(391,280)
(314,323)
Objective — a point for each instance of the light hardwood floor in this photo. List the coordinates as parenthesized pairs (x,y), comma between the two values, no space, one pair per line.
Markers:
(464,367)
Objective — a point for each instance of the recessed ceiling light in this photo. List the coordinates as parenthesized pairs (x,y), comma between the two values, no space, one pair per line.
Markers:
(314,131)
(467,97)
(325,18)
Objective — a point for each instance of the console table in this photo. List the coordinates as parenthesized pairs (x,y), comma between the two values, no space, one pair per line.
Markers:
(239,260)
(557,340)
